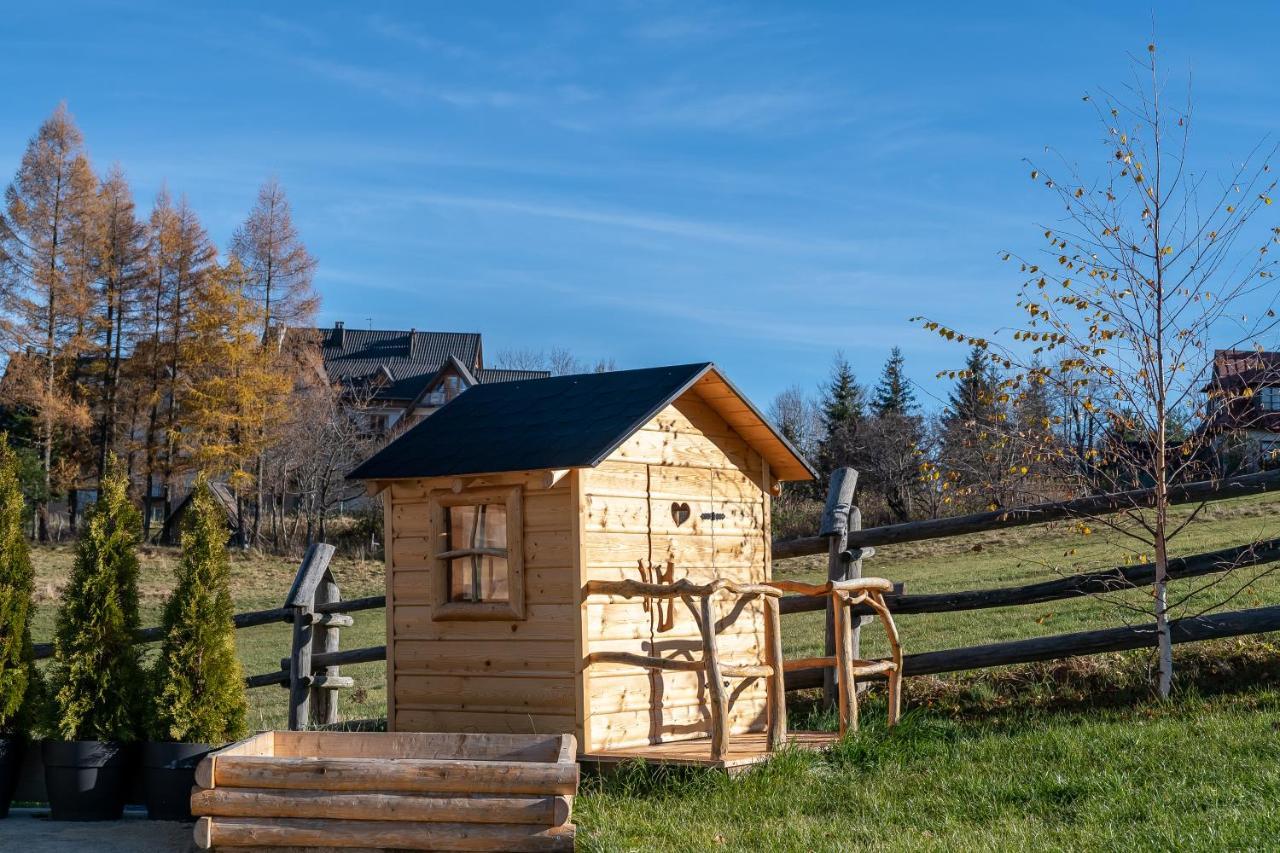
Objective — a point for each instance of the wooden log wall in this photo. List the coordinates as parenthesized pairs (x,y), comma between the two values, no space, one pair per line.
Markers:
(684,491)
(405,792)
(482,676)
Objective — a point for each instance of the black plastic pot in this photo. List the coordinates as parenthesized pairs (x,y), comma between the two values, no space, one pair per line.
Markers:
(168,774)
(11,752)
(87,779)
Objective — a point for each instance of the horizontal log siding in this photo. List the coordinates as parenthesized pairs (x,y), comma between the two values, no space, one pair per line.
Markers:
(482,676)
(686,454)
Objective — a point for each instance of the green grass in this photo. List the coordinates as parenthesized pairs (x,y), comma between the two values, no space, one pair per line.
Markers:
(1064,755)
(258,583)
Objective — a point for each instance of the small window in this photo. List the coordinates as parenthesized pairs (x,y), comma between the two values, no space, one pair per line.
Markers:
(478,556)
(1269,398)
(477,539)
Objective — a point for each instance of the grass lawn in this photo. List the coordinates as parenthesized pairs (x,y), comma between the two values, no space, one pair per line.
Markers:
(1052,756)
(258,583)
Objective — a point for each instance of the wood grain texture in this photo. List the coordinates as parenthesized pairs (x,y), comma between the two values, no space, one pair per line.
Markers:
(418,775)
(220,832)
(476,808)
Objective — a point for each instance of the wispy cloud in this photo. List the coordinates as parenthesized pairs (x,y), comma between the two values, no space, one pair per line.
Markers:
(406,34)
(740,110)
(670,226)
(408,87)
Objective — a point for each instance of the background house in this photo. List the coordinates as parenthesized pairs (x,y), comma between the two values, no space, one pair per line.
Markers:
(1243,409)
(398,377)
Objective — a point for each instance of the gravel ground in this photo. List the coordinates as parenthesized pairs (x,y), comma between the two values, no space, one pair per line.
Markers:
(31,831)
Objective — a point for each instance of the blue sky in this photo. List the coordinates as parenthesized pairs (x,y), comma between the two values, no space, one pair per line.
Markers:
(754,184)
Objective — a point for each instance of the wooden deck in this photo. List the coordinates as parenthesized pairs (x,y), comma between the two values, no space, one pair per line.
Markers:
(744,751)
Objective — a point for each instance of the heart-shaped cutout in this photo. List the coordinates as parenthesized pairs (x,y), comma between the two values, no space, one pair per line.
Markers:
(679,513)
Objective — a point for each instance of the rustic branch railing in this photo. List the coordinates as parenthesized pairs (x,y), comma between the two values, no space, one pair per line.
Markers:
(843,595)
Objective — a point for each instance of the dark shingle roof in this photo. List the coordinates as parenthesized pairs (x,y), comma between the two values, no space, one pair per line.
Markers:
(353,356)
(502,374)
(536,424)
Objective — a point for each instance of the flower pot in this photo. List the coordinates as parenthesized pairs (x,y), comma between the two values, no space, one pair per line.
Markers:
(11,752)
(168,775)
(87,779)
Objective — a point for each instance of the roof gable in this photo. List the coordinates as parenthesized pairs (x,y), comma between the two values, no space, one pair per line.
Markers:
(566,422)
(411,357)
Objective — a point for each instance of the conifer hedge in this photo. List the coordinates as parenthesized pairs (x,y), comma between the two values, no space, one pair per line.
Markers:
(96,678)
(198,683)
(17,584)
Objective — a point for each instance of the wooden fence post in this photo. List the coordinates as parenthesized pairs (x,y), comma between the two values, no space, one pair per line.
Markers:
(301,600)
(835,526)
(300,668)
(852,571)
(324,700)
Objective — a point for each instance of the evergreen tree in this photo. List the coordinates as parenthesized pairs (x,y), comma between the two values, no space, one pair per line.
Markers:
(198,694)
(96,678)
(842,414)
(843,400)
(893,393)
(17,584)
(980,460)
(973,401)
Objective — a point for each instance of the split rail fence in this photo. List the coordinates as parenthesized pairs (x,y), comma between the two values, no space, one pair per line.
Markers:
(314,606)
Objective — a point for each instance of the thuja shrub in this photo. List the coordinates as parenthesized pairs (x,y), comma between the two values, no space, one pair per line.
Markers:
(96,677)
(17,584)
(198,693)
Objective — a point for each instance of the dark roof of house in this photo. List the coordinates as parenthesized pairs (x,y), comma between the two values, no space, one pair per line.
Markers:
(170,531)
(503,374)
(354,357)
(1234,369)
(558,422)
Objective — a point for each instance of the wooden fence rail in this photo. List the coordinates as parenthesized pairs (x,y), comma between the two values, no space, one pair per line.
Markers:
(312,670)
(1093,505)
(1187,630)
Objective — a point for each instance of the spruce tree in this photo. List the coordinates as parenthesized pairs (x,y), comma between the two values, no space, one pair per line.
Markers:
(198,684)
(96,678)
(842,404)
(973,401)
(893,393)
(842,415)
(17,584)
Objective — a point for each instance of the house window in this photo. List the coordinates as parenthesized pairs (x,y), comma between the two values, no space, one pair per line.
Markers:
(1269,399)
(452,387)
(477,541)
(479,556)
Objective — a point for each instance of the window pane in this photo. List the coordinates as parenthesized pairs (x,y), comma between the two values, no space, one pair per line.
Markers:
(483,526)
(488,574)
(479,577)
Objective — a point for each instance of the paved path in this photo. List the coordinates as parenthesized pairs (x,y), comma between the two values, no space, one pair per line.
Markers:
(31,831)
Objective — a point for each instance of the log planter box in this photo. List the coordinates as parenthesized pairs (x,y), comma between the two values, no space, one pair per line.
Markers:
(408,791)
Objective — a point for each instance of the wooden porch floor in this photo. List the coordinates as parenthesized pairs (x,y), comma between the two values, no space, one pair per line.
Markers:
(744,750)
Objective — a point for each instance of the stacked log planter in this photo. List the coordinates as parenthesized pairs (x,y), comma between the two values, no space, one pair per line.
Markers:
(418,791)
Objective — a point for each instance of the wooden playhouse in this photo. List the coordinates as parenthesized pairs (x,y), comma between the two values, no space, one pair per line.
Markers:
(513,513)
